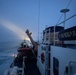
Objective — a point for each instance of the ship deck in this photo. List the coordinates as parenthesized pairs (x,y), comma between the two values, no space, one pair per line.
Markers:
(31,67)
(30,64)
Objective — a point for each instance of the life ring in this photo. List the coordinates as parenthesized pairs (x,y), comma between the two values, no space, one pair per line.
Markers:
(42,57)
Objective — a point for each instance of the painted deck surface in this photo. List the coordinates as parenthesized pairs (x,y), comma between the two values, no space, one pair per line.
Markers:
(31,67)
(30,63)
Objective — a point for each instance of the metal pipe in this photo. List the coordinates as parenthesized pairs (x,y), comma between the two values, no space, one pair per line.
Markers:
(54,35)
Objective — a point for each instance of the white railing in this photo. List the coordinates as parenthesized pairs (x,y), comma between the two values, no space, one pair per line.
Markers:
(61,23)
(23,73)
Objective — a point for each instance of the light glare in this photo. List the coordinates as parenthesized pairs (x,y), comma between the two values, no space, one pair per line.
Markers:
(15,29)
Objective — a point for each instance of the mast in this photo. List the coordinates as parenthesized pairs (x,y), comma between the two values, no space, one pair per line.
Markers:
(64,11)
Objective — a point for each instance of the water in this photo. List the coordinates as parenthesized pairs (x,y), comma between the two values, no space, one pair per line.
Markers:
(7,50)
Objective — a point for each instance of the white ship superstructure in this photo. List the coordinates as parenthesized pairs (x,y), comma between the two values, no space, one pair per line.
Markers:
(59,59)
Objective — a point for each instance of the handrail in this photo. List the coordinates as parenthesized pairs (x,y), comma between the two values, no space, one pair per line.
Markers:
(23,65)
(61,23)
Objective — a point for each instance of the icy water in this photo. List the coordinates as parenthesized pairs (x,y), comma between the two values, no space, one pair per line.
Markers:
(7,52)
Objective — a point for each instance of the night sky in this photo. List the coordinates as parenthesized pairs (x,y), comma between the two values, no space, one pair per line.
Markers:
(18,15)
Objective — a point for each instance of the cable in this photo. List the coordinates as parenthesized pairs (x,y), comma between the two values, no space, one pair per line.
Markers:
(38,19)
(63,21)
(67,19)
(69,3)
(59,19)
(62,14)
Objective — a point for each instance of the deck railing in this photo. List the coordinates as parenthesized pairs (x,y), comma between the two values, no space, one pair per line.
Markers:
(24,67)
(62,23)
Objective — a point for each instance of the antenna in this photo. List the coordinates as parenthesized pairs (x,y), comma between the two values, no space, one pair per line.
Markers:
(64,11)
